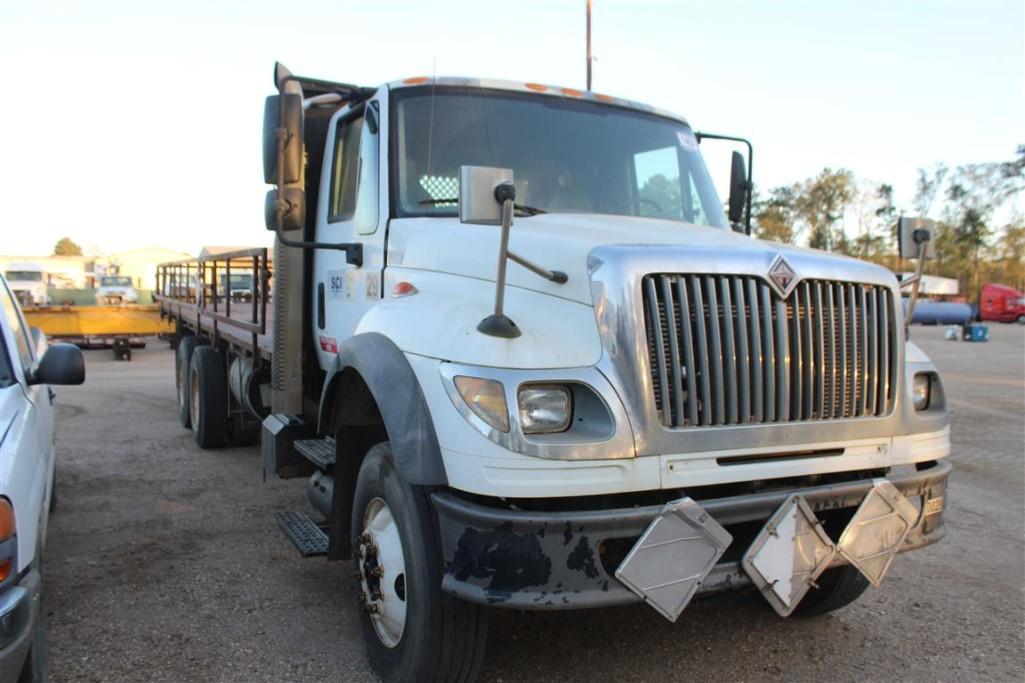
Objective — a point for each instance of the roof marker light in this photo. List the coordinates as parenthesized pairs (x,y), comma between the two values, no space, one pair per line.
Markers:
(416,80)
(536,86)
(604,98)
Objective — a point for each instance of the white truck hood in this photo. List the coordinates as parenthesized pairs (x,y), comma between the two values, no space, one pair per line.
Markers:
(554,241)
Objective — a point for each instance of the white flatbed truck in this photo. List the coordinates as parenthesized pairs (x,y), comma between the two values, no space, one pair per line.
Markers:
(527,360)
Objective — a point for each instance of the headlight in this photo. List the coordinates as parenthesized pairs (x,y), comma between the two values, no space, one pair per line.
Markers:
(486,398)
(544,409)
(920,391)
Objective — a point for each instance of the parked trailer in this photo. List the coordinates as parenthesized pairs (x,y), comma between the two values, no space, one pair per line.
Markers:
(197,297)
(639,403)
(119,328)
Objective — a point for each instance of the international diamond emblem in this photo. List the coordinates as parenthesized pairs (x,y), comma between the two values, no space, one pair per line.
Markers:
(782,277)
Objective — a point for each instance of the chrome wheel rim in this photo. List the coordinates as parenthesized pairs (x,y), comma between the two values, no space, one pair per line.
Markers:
(381,572)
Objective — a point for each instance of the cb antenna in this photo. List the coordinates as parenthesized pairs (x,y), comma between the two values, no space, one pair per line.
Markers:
(588,45)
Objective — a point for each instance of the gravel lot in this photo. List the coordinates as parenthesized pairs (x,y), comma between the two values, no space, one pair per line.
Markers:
(164,563)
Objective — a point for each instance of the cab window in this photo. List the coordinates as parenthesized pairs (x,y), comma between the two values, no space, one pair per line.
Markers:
(345,170)
(657,178)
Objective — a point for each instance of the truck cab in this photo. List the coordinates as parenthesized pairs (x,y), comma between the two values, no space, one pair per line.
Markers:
(527,360)
(27,281)
(1001,303)
(115,290)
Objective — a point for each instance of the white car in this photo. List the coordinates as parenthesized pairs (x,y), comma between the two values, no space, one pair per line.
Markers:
(116,290)
(28,365)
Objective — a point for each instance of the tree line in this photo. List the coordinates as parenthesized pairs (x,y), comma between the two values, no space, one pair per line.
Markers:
(980,237)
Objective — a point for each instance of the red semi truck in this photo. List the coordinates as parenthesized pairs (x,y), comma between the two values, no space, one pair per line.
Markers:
(1001,303)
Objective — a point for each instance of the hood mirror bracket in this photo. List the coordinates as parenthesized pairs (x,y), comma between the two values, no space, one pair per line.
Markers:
(475,206)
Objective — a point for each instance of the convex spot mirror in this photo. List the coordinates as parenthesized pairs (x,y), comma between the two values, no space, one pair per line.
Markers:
(908,245)
(738,188)
(59,364)
(477,203)
(290,209)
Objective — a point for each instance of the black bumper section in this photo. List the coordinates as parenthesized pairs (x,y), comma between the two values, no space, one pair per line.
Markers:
(554,560)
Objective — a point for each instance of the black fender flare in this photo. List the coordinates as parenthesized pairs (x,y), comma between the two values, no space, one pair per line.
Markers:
(400,401)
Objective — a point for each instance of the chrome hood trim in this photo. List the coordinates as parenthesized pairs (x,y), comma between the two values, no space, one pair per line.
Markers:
(616,273)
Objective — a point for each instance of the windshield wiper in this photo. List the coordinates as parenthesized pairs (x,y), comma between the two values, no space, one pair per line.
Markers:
(525,210)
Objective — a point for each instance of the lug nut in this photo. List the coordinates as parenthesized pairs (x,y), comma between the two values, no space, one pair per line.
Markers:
(365,538)
(377,595)
(372,550)
(373,608)
(377,572)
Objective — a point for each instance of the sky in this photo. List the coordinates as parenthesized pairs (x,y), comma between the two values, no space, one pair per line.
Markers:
(138,123)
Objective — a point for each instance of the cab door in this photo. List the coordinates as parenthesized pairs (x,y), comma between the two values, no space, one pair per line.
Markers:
(28,461)
(349,209)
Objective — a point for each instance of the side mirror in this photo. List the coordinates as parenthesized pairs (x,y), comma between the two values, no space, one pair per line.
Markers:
(915,232)
(915,242)
(284,207)
(60,364)
(477,203)
(487,196)
(283,113)
(738,189)
(288,205)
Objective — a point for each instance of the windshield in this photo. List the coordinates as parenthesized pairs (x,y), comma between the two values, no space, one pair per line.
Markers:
(24,276)
(567,156)
(115,281)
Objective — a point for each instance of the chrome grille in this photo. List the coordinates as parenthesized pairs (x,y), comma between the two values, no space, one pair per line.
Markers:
(742,355)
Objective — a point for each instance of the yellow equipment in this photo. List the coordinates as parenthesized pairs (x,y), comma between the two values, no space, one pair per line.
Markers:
(117,326)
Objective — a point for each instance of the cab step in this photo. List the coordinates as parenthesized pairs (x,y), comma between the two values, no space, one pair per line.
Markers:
(321,452)
(308,538)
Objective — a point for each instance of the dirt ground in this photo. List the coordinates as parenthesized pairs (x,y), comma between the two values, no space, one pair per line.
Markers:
(164,563)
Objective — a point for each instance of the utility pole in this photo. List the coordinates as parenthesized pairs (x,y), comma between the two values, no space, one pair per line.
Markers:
(588,44)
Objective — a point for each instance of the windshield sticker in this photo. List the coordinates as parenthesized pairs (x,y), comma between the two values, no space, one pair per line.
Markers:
(687,140)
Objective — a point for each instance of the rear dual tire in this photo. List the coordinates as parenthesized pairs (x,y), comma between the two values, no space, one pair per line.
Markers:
(208,397)
(182,364)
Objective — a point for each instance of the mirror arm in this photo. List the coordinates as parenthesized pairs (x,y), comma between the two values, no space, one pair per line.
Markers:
(750,169)
(921,238)
(498,324)
(556,276)
(353,250)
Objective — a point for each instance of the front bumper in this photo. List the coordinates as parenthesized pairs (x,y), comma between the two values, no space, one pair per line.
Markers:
(566,560)
(19,611)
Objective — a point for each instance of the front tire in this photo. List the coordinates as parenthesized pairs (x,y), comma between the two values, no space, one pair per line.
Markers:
(838,587)
(208,397)
(397,560)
